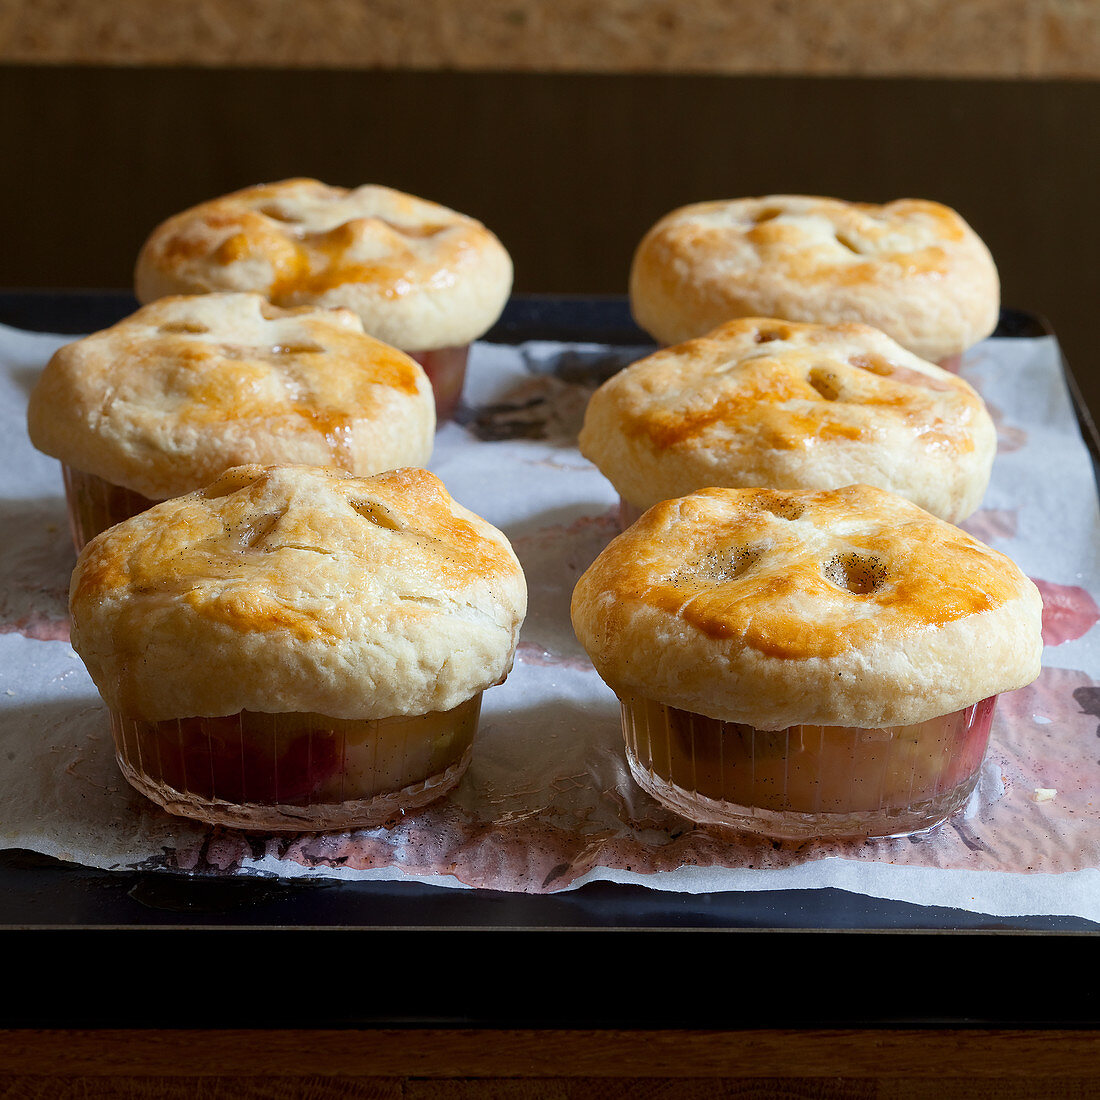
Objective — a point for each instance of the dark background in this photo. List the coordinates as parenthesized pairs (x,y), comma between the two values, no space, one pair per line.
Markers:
(569,170)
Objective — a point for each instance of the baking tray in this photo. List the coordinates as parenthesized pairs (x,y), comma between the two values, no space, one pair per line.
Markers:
(312,954)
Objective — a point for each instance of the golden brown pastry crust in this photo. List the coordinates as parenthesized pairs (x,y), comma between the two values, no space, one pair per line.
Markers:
(420,276)
(776,404)
(186,387)
(913,268)
(850,607)
(291,588)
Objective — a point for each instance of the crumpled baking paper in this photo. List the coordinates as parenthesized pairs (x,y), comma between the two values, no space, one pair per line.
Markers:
(548,803)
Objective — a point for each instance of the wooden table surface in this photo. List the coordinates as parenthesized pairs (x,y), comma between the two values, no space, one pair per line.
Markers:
(426,1064)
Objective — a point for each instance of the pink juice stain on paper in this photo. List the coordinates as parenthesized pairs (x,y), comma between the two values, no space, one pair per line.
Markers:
(36,564)
(531,653)
(41,628)
(991,524)
(1010,437)
(1069,612)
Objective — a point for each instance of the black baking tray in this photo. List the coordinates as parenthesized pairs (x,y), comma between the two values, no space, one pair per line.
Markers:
(267,952)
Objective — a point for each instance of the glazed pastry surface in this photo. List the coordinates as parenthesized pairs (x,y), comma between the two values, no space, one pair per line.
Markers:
(420,275)
(303,589)
(912,268)
(760,402)
(847,607)
(188,386)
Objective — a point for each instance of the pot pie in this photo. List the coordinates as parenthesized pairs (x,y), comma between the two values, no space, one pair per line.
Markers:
(161,403)
(293,648)
(806,664)
(422,277)
(766,403)
(912,268)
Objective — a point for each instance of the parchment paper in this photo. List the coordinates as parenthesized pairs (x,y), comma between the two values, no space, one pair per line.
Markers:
(548,803)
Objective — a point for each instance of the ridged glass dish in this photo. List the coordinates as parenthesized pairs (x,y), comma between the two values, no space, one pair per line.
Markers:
(446,370)
(296,772)
(807,781)
(95,504)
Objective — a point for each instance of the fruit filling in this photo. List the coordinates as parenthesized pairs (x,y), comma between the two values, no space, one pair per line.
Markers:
(301,759)
(95,504)
(811,770)
(446,370)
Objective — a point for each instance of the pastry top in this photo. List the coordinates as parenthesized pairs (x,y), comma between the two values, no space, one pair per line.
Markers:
(848,607)
(912,268)
(421,276)
(186,387)
(295,588)
(783,405)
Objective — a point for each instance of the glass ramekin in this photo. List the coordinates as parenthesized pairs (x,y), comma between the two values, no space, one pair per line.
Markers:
(807,782)
(296,772)
(95,504)
(446,370)
(628,513)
